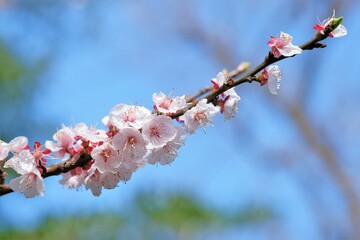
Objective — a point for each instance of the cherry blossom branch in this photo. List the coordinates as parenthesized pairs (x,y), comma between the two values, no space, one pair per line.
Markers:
(65,166)
(113,157)
(77,161)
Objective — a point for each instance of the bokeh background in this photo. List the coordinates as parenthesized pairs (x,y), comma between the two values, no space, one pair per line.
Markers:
(287,167)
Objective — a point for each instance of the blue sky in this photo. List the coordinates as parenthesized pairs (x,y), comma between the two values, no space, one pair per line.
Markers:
(122,52)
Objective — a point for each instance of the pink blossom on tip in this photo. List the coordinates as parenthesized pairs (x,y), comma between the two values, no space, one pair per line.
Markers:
(340,31)
(283,46)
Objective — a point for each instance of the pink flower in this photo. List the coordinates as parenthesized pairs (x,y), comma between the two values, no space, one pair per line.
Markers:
(91,134)
(22,163)
(122,116)
(340,31)
(130,144)
(165,104)
(65,139)
(75,140)
(167,153)
(18,144)
(110,180)
(283,46)
(230,107)
(272,77)
(93,181)
(200,115)
(4,150)
(40,154)
(158,131)
(14,146)
(30,183)
(106,157)
(74,178)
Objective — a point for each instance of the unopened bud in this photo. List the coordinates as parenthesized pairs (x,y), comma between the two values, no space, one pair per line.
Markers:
(335,23)
(243,66)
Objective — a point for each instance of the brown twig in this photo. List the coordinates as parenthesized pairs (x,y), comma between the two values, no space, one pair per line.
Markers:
(250,77)
(199,94)
(241,68)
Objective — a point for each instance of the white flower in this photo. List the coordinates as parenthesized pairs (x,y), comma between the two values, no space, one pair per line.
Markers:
(18,144)
(130,143)
(230,106)
(168,153)
(90,133)
(272,77)
(4,150)
(283,46)
(15,146)
(93,181)
(165,104)
(106,157)
(65,139)
(74,178)
(158,131)
(122,116)
(30,183)
(200,115)
(22,163)
(110,180)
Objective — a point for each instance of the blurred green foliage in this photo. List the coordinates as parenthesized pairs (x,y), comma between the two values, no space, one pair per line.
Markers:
(18,82)
(149,216)
(80,227)
(191,215)
(11,69)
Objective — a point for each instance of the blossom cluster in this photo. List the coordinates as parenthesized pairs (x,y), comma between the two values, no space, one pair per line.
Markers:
(134,135)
